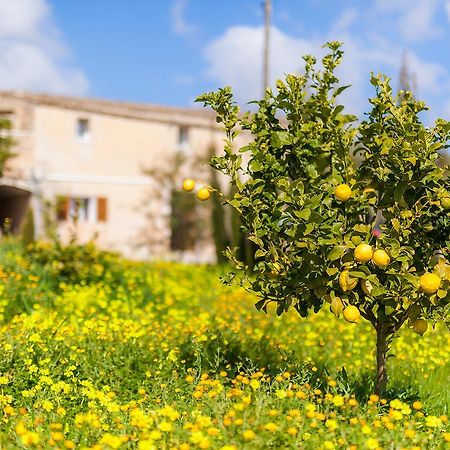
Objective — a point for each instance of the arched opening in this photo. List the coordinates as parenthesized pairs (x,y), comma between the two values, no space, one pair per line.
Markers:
(13,207)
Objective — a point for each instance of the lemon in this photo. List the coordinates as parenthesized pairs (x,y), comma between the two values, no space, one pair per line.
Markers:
(352,314)
(336,306)
(445,202)
(343,192)
(363,253)
(430,283)
(380,258)
(347,283)
(366,286)
(419,326)
(203,194)
(188,184)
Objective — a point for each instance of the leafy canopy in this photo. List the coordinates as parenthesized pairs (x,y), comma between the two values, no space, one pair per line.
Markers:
(303,146)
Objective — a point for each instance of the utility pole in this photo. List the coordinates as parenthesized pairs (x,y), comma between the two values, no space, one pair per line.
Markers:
(267,14)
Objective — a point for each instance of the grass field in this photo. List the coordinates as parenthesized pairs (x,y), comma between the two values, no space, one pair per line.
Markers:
(101,353)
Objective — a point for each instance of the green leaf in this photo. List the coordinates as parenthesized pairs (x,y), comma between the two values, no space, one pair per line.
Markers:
(378,290)
(399,191)
(260,304)
(340,89)
(309,228)
(336,252)
(337,110)
(280,139)
(331,271)
(396,224)
(303,214)
(357,274)
(260,253)
(255,166)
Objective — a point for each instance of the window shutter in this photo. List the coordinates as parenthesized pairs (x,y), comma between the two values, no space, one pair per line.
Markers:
(102,209)
(62,208)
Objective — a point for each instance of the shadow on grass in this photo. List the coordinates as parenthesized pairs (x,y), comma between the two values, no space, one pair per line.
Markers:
(231,354)
(235,356)
(362,384)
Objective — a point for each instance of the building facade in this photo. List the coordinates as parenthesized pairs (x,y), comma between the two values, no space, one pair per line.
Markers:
(106,170)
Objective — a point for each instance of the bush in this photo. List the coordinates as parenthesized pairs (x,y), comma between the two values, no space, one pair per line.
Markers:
(71,263)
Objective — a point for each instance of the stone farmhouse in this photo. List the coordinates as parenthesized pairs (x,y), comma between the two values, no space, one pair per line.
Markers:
(106,170)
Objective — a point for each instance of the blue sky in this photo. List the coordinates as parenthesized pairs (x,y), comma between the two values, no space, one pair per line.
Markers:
(169,51)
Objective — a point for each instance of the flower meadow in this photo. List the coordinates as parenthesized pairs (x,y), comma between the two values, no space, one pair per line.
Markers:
(101,353)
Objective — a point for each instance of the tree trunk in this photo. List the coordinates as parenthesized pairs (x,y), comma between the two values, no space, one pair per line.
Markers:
(382,349)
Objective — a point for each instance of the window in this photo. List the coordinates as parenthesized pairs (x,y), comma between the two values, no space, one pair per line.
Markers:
(79,209)
(183,139)
(83,132)
(82,209)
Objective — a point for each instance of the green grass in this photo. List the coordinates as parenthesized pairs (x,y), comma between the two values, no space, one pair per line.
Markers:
(95,353)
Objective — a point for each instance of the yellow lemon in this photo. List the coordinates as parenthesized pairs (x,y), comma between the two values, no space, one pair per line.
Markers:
(380,258)
(336,306)
(430,283)
(445,202)
(366,286)
(343,192)
(419,326)
(203,194)
(347,283)
(363,253)
(352,314)
(188,184)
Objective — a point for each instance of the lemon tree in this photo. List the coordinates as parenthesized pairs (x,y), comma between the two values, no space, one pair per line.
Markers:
(313,186)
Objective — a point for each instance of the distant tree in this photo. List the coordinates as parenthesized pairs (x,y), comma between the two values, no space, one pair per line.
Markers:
(27,234)
(6,143)
(219,218)
(407,78)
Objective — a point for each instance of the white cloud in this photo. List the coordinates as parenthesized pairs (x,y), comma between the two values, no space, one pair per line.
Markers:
(447,9)
(359,60)
(232,63)
(21,18)
(33,54)
(418,22)
(179,23)
(346,19)
(374,53)
(235,58)
(447,109)
(414,19)
(432,78)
